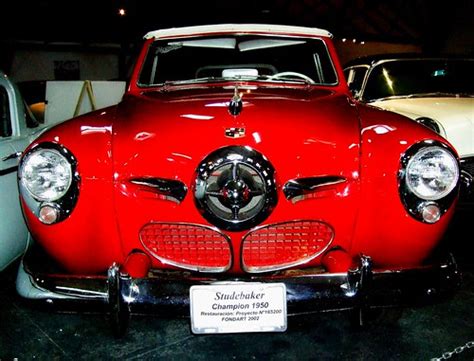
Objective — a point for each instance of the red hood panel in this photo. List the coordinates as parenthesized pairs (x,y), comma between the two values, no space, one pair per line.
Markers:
(303,133)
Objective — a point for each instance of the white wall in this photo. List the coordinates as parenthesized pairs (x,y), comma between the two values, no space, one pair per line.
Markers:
(39,65)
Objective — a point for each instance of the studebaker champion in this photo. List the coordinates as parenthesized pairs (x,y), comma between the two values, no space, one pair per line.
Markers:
(237,182)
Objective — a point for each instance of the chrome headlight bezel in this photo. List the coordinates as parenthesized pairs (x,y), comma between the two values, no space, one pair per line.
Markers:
(415,201)
(65,201)
(51,193)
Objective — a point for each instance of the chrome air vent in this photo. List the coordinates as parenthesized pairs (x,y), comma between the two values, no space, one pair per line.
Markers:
(235,188)
(170,189)
(297,189)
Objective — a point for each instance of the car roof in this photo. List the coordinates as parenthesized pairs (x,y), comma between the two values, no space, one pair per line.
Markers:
(237,28)
(371,59)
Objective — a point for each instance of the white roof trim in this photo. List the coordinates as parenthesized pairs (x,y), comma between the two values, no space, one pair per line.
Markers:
(236,28)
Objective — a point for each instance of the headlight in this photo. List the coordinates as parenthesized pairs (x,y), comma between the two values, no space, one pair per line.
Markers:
(432,173)
(428,180)
(46,174)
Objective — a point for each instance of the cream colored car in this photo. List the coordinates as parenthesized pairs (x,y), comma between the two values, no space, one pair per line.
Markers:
(436,92)
(18,128)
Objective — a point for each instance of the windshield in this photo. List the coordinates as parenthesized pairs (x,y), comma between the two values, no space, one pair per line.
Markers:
(238,57)
(420,77)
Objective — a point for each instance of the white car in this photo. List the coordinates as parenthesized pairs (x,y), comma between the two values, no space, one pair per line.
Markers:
(436,92)
(18,128)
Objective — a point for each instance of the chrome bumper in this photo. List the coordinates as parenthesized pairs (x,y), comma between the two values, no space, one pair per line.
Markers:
(167,293)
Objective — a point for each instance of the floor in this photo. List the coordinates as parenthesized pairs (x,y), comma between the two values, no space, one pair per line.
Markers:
(421,333)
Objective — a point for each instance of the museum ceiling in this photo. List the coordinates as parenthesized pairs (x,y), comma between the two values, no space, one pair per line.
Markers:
(420,22)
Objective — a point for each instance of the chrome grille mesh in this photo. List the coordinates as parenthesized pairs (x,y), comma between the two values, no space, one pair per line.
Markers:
(189,246)
(284,245)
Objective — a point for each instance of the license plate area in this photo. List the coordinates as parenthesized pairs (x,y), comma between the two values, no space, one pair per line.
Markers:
(238,308)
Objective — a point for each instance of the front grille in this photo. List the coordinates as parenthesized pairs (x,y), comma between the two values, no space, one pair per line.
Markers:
(284,245)
(193,247)
(467,164)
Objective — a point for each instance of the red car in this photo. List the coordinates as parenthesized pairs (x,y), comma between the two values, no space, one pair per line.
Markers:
(237,182)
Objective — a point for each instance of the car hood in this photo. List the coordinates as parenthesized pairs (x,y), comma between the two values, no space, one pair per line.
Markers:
(303,132)
(456,116)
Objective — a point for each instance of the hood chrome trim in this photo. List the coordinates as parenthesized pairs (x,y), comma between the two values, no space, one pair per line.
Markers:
(173,190)
(300,187)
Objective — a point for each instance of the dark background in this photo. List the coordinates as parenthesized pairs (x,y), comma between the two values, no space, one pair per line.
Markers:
(94,26)
(443,27)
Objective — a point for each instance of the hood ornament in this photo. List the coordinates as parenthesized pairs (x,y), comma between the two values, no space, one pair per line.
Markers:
(235,104)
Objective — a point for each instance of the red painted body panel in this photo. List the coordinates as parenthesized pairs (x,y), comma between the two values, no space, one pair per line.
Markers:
(158,135)
(304,131)
(384,229)
(88,238)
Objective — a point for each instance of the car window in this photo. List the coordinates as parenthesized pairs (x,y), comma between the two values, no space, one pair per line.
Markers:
(30,118)
(246,56)
(355,78)
(5,121)
(418,77)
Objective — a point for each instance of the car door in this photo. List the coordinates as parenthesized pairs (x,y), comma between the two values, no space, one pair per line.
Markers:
(13,231)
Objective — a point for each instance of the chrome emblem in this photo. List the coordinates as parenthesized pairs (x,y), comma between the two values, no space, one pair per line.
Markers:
(235,132)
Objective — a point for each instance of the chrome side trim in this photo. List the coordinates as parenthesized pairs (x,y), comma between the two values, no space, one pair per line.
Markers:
(8,170)
(301,186)
(12,156)
(173,190)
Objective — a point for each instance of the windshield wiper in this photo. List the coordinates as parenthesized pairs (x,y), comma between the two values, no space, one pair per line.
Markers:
(212,79)
(191,81)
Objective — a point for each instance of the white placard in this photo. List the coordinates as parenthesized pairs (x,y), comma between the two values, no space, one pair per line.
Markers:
(63,96)
(238,307)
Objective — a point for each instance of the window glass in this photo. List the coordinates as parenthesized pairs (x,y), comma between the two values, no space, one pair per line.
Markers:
(357,78)
(259,58)
(30,118)
(420,78)
(5,122)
